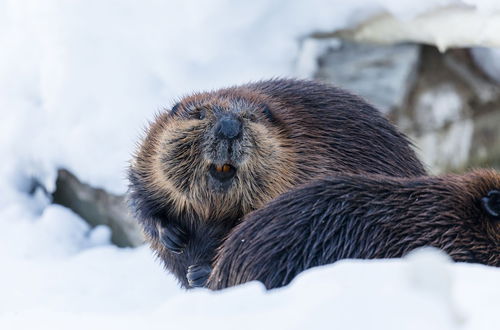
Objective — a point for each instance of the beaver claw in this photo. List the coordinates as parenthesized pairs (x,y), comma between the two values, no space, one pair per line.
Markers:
(197,275)
(491,204)
(173,237)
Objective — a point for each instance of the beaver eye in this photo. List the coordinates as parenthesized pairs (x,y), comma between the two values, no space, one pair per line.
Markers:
(202,114)
(269,115)
(175,109)
(250,116)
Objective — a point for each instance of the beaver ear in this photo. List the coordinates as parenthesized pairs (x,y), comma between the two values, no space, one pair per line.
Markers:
(267,112)
(175,108)
(491,204)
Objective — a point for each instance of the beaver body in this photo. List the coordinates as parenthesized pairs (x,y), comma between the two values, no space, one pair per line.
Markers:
(359,216)
(217,156)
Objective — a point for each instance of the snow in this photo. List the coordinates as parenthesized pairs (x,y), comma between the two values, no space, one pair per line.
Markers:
(79,81)
(122,289)
(455,26)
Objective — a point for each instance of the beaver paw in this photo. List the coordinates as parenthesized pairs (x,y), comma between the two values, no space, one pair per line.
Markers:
(173,237)
(491,204)
(197,275)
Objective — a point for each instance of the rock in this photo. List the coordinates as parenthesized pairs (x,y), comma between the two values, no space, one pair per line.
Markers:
(98,207)
(444,129)
(435,73)
(445,102)
(438,107)
(445,113)
(488,60)
(311,51)
(485,151)
(447,148)
(381,74)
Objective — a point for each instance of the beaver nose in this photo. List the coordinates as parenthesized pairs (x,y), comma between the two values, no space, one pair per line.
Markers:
(228,128)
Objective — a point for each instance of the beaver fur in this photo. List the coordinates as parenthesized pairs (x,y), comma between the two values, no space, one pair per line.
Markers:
(358,216)
(216,156)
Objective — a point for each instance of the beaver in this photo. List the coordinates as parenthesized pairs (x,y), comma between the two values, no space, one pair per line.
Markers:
(216,156)
(364,217)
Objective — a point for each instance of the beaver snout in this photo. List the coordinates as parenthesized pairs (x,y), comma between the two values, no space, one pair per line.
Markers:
(228,127)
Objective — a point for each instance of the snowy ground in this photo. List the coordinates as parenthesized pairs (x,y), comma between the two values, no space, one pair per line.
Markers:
(78,82)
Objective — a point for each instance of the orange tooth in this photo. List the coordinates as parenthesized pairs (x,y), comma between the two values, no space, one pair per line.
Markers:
(219,168)
(226,168)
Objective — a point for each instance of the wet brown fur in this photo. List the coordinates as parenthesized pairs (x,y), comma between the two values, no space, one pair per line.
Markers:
(358,216)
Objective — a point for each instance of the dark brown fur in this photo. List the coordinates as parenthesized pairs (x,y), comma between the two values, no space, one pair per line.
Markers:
(357,216)
(293,132)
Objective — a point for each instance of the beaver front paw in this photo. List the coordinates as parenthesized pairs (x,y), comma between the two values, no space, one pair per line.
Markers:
(197,275)
(491,204)
(173,237)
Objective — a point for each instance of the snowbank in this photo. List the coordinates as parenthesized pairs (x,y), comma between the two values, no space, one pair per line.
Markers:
(105,288)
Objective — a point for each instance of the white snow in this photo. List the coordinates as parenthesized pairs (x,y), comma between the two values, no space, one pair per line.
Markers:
(455,26)
(108,288)
(78,82)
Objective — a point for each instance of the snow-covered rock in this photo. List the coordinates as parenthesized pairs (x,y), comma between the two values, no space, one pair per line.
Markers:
(470,27)
(98,208)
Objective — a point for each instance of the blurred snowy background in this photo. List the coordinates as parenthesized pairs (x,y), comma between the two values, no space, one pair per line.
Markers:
(79,81)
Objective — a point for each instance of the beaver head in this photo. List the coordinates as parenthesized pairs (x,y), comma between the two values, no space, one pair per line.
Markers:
(217,154)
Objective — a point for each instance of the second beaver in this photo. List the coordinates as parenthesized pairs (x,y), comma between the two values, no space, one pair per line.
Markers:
(217,156)
(363,217)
